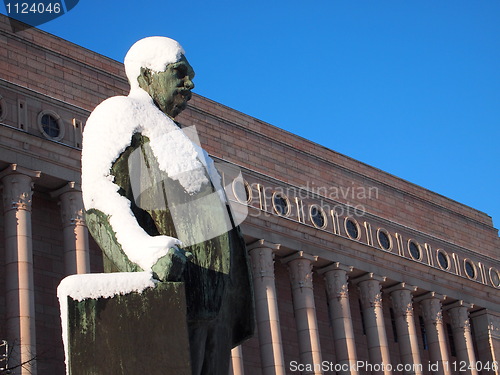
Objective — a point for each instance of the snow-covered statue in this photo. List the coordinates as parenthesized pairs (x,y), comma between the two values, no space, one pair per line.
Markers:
(154,202)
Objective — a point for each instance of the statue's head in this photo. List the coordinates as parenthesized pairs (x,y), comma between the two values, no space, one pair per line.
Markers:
(158,66)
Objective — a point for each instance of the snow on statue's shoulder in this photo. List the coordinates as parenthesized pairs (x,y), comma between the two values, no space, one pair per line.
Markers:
(108,132)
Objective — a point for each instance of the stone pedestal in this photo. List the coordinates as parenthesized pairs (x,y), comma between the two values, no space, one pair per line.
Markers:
(136,333)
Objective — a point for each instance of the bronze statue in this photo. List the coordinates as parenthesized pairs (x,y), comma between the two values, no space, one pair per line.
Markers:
(154,202)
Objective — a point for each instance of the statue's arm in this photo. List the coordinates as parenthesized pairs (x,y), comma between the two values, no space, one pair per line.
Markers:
(115,226)
(167,268)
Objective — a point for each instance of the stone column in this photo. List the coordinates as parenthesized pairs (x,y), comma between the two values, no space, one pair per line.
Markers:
(434,328)
(75,231)
(487,334)
(266,307)
(460,325)
(236,364)
(300,271)
(371,303)
(20,292)
(340,316)
(402,304)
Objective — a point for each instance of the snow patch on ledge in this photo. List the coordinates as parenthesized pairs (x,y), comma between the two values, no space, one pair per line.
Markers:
(104,285)
(98,285)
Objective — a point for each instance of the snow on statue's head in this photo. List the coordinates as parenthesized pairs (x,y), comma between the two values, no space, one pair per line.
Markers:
(155,53)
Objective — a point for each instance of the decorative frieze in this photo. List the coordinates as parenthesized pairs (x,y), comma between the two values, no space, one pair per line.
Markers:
(320,212)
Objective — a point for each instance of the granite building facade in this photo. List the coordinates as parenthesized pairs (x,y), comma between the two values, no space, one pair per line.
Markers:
(355,271)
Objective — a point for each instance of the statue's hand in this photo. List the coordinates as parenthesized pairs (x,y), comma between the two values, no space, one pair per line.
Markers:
(171,266)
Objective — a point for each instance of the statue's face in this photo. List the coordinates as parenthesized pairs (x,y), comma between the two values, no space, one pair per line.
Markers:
(171,89)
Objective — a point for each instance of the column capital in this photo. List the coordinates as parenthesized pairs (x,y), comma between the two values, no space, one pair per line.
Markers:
(17,183)
(336,280)
(71,201)
(431,307)
(336,266)
(370,289)
(459,314)
(262,261)
(263,244)
(402,301)
(300,267)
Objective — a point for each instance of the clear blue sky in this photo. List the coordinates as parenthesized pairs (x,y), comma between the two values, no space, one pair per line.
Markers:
(408,86)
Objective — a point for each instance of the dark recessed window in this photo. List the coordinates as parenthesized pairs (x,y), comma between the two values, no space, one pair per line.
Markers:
(443,259)
(280,205)
(383,239)
(414,250)
(362,317)
(423,332)
(393,324)
(352,229)
(50,126)
(470,269)
(451,341)
(317,216)
(2,108)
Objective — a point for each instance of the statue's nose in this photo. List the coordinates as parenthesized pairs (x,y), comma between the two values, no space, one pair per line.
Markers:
(188,84)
